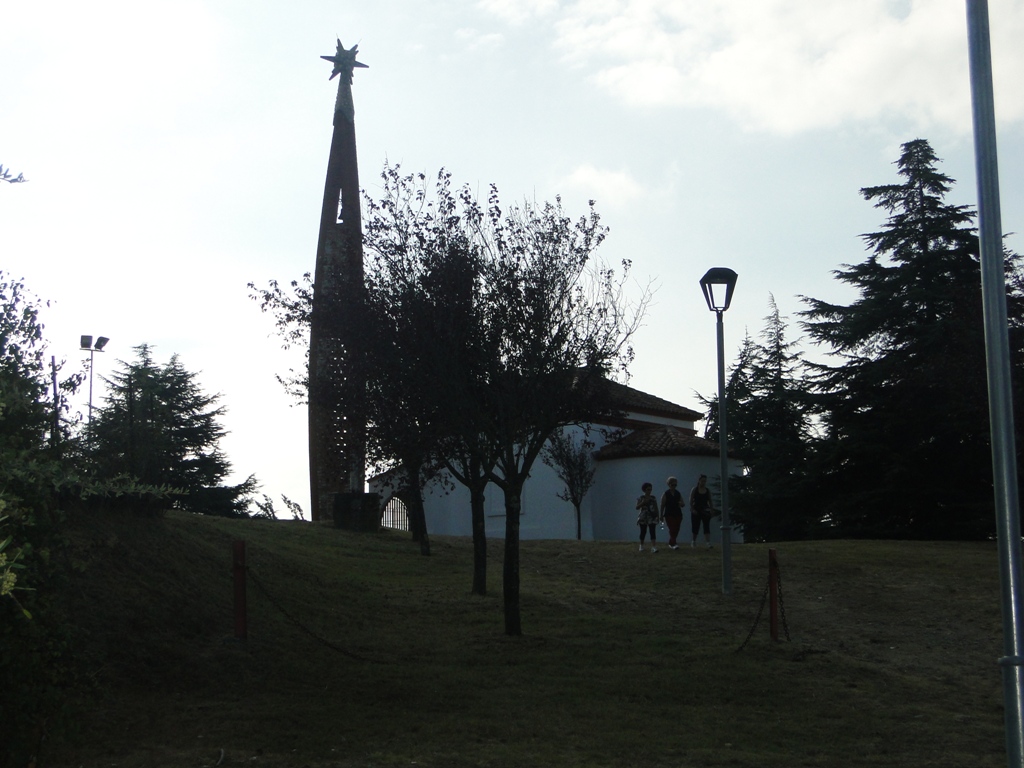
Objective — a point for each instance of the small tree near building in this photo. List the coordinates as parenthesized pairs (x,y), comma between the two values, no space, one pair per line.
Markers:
(573,462)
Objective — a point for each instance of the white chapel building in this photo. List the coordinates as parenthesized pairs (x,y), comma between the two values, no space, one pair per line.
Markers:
(649,440)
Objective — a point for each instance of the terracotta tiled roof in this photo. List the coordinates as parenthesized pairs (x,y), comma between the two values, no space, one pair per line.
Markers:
(661,440)
(629,399)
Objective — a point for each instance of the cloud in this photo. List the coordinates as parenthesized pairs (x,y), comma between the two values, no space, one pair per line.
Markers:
(475,40)
(787,66)
(604,186)
(518,11)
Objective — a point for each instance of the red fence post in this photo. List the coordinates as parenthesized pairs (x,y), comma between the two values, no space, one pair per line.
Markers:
(773,594)
(241,618)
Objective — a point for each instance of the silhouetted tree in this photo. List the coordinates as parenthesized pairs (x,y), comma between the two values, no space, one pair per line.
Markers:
(157,426)
(7,175)
(420,270)
(564,326)
(37,479)
(738,396)
(291,310)
(573,462)
(769,427)
(488,330)
(905,418)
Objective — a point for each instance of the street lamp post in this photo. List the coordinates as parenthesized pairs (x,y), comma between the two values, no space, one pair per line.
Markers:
(718,284)
(87,344)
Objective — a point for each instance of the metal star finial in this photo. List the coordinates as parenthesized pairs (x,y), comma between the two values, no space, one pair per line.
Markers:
(344,61)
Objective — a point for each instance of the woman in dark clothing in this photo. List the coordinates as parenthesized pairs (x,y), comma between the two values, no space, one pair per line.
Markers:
(701,511)
(672,511)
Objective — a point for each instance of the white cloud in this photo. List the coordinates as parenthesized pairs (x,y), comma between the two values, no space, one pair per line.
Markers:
(476,40)
(789,65)
(604,186)
(518,11)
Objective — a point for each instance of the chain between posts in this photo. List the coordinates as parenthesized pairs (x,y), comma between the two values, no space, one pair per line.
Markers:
(303,627)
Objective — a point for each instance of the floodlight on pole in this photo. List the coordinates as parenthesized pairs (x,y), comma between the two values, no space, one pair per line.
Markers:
(718,284)
(87,344)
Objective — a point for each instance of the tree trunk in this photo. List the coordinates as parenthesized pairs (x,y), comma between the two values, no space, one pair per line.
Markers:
(419,514)
(579,528)
(414,505)
(510,571)
(476,495)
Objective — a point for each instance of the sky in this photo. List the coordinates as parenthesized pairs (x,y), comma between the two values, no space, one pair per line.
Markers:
(176,151)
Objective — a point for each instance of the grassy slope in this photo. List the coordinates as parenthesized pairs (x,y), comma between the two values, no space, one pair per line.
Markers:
(627,659)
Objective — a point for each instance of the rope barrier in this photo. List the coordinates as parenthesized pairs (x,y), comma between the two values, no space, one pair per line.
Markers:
(334,647)
(764,600)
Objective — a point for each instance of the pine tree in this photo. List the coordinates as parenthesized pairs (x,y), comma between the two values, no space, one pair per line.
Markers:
(738,394)
(769,429)
(157,426)
(906,448)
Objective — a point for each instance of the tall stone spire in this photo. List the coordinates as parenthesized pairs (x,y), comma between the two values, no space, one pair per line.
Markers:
(337,422)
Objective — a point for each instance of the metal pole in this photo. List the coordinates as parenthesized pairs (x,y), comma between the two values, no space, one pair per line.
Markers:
(55,435)
(91,353)
(1000,397)
(724,457)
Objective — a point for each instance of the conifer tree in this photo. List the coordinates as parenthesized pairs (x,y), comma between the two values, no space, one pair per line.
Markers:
(769,429)
(738,395)
(904,412)
(157,426)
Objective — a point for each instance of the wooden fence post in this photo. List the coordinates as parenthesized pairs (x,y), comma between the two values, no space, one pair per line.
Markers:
(241,617)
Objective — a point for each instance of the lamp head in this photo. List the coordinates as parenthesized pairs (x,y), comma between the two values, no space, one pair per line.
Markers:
(87,342)
(101,342)
(718,284)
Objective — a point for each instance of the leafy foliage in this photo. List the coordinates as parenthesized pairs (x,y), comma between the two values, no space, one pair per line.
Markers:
(556,325)
(36,666)
(423,273)
(487,330)
(573,462)
(291,311)
(889,436)
(769,427)
(905,418)
(7,175)
(158,427)
(265,508)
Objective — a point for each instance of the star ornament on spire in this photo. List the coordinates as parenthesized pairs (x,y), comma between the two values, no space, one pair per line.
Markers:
(344,61)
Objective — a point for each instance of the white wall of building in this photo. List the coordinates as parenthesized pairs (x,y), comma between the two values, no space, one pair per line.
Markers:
(612,500)
(609,508)
(543,516)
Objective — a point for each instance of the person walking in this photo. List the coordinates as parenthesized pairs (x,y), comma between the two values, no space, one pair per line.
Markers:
(672,511)
(647,517)
(701,510)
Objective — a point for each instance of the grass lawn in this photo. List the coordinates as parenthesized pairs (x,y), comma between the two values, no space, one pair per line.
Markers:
(362,652)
